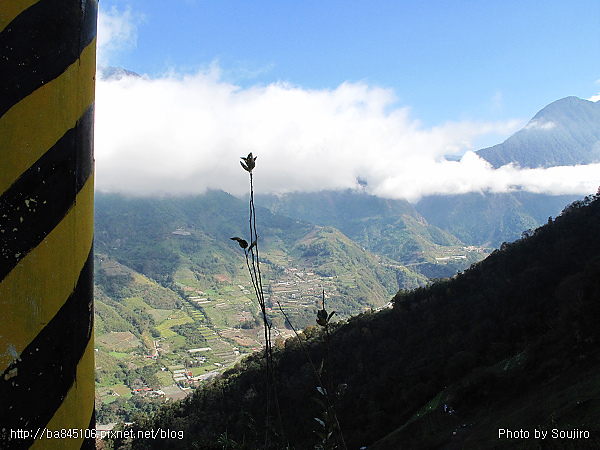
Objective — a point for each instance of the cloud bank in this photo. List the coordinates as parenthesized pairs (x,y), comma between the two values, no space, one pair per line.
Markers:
(185,134)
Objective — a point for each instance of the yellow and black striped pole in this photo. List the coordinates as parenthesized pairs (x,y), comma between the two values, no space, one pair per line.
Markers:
(47,70)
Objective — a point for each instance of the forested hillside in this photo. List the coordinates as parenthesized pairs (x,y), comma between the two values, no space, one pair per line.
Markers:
(489,219)
(510,343)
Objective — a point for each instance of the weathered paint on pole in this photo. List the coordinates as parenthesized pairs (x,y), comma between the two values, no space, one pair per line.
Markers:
(47,71)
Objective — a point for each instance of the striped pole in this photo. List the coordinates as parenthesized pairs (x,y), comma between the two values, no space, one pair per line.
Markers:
(47,70)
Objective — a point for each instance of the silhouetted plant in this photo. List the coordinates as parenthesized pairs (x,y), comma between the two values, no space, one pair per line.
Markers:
(248,163)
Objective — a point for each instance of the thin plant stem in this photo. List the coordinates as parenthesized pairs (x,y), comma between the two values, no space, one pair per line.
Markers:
(253,264)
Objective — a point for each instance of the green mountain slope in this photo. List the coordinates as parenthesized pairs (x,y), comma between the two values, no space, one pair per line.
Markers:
(511,343)
(156,236)
(184,244)
(390,228)
(115,284)
(364,278)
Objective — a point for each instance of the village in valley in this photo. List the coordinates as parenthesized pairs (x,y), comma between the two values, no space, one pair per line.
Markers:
(224,320)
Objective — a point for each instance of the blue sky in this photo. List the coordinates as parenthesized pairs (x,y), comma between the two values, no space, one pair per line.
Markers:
(454,76)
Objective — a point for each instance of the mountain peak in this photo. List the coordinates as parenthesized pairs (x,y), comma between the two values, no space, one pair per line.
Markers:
(115,73)
(565,132)
(569,108)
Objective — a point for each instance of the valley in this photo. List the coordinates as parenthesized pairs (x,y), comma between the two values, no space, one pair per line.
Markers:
(156,342)
(173,300)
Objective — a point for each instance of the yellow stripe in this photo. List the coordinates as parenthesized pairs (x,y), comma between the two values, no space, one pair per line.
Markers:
(69,416)
(44,279)
(35,124)
(11,9)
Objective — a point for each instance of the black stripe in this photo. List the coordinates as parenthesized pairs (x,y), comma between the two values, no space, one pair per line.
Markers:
(39,199)
(34,387)
(40,43)
(90,442)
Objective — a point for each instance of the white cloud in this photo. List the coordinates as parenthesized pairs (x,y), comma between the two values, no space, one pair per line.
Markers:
(117,32)
(540,125)
(185,135)
(473,174)
(595,98)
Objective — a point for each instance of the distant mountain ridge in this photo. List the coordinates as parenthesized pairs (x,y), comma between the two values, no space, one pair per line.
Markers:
(489,219)
(388,227)
(564,133)
(115,73)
